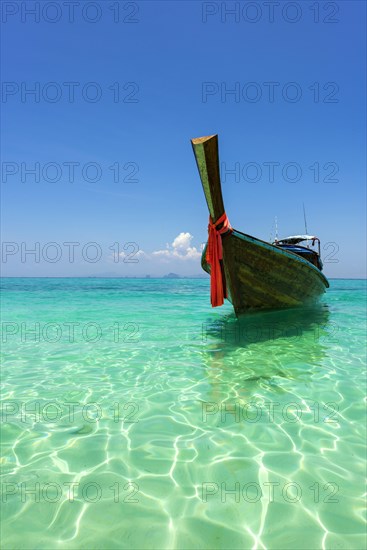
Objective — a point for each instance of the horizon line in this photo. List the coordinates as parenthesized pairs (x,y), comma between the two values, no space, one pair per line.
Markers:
(145,277)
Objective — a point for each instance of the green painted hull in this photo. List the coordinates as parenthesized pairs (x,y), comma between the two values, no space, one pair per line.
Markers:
(260,276)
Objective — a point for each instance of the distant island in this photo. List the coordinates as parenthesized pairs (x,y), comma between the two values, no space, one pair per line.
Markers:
(171,276)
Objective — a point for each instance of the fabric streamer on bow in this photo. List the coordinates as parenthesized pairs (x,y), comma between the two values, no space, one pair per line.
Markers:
(214,254)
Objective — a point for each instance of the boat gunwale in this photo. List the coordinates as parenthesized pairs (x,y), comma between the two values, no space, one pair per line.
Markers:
(278,250)
(293,255)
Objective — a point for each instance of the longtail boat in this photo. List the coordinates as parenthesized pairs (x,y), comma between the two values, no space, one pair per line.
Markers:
(253,274)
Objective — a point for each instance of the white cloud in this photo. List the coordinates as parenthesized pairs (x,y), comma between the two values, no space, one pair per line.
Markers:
(182,241)
(180,249)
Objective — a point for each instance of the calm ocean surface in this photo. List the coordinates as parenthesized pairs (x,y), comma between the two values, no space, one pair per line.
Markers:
(135,416)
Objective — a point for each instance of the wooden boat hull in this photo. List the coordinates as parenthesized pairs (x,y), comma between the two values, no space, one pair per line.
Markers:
(259,275)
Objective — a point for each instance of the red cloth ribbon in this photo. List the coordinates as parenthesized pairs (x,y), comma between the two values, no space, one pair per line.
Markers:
(214,253)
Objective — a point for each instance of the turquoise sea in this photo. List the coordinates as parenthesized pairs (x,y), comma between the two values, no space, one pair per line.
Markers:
(136,416)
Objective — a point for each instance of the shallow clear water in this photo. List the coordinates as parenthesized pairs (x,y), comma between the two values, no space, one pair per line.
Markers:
(135,416)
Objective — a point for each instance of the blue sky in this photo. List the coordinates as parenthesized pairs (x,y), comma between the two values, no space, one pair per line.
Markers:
(144,84)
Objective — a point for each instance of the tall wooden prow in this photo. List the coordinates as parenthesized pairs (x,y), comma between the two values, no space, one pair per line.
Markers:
(207,160)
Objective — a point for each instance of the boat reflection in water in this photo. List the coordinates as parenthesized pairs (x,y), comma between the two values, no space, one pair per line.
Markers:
(262,350)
